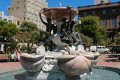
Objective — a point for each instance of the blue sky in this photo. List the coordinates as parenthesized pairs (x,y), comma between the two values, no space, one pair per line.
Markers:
(54,3)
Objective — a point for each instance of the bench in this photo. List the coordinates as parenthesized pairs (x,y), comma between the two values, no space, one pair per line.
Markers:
(4,57)
(111,59)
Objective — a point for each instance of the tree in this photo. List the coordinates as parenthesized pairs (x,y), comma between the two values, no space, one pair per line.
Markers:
(117,39)
(29,34)
(7,31)
(92,29)
(28,26)
(87,40)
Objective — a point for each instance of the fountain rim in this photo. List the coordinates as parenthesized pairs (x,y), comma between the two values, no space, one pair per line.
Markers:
(116,70)
(57,13)
(61,8)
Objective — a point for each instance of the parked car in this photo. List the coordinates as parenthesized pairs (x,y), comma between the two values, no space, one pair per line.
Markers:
(115,49)
(100,49)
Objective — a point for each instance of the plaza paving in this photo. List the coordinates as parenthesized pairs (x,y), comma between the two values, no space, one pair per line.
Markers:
(11,66)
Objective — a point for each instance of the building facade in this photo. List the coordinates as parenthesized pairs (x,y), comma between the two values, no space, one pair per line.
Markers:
(5,18)
(27,10)
(10,19)
(109,14)
(101,1)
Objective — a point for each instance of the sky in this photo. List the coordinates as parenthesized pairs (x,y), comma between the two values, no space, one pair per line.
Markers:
(4,4)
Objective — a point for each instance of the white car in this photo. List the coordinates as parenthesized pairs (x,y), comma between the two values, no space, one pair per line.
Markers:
(100,49)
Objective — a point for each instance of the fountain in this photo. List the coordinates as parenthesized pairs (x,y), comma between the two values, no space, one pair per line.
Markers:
(68,59)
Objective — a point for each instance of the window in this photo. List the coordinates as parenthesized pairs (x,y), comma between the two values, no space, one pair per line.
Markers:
(85,13)
(9,21)
(98,47)
(9,8)
(104,11)
(18,23)
(24,18)
(113,10)
(93,12)
(104,22)
(114,23)
(18,2)
(101,2)
(5,19)
(103,47)
(28,18)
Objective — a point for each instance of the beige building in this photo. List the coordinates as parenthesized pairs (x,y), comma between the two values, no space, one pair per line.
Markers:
(10,19)
(16,21)
(101,1)
(27,10)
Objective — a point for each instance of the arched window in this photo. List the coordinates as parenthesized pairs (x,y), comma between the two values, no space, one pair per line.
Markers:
(18,23)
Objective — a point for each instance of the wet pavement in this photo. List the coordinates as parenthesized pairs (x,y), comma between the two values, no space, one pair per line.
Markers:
(102,61)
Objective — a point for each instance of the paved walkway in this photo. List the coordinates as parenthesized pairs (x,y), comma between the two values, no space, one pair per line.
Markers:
(10,66)
(104,60)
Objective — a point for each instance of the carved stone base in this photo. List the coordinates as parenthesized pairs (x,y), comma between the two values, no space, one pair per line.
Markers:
(72,77)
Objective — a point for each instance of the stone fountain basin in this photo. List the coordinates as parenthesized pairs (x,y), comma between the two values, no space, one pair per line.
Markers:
(73,65)
(65,58)
(32,62)
(91,55)
(59,12)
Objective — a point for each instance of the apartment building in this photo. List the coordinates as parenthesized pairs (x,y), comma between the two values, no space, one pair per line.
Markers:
(5,18)
(101,1)
(10,19)
(27,10)
(109,14)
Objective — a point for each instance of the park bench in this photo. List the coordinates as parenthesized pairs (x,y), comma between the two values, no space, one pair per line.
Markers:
(113,57)
(4,57)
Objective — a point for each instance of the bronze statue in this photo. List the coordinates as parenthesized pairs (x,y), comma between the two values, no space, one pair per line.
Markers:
(49,27)
(65,30)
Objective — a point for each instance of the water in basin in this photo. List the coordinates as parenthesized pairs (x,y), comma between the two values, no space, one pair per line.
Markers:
(97,74)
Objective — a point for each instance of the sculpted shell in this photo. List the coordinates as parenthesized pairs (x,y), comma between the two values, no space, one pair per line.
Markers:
(32,63)
(72,66)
